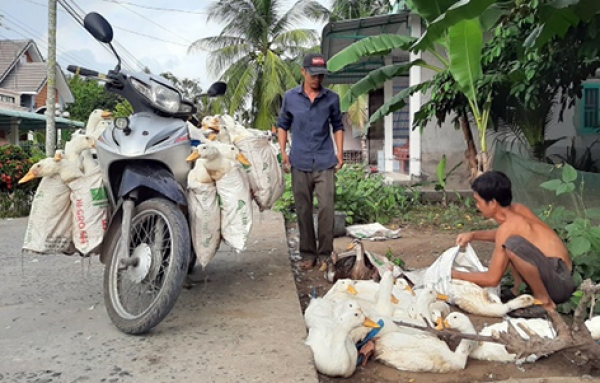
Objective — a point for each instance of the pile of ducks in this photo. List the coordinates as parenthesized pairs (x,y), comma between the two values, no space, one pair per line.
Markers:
(340,342)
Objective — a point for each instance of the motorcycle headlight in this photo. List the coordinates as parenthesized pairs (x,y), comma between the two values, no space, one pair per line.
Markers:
(161,96)
(166,98)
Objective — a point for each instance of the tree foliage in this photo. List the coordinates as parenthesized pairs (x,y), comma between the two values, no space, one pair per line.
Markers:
(89,95)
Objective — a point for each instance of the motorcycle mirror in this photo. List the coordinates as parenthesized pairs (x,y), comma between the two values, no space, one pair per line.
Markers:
(217,89)
(98,27)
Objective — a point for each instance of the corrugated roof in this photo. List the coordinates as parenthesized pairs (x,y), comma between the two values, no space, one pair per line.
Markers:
(26,77)
(339,35)
(10,51)
(34,121)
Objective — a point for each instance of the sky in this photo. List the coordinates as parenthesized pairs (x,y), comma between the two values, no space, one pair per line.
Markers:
(171,33)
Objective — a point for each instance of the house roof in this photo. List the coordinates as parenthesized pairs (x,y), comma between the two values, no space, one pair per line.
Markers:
(11,50)
(337,36)
(26,77)
(34,121)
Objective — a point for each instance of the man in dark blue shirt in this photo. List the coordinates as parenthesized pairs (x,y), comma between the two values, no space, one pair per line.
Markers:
(312,112)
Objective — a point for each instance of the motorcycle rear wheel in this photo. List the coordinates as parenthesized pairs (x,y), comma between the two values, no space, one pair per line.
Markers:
(140,296)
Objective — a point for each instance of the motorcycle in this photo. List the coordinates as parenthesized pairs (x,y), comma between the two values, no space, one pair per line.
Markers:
(146,249)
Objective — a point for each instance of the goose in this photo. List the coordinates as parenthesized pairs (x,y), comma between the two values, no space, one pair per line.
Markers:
(90,165)
(321,310)
(496,352)
(476,300)
(199,172)
(219,158)
(423,352)
(92,127)
(51,166)
(334,351)
(75,146)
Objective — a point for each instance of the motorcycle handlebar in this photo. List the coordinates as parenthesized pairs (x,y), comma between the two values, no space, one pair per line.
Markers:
(82,71)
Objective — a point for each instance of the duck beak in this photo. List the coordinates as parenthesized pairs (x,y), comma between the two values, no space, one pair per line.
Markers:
(410,289)
(28,177)
(57,156)
(440,324)
(351,246)
(352,290)
(323,266)
(394,299)
(193,157)
(443,297)
(242,159)
(369,323)
(212,137)
(93,143)
(106,114)
(537,302)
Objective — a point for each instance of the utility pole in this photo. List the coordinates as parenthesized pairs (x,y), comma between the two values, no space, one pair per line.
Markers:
(51,85)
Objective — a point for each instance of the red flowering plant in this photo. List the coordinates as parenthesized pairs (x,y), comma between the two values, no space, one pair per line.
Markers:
(14,164)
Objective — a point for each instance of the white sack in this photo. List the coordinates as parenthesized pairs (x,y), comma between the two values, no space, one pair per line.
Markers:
(236,208)
(205,219)
(265,175)
(439,274)
(49,226)
(89,211)
(373,231)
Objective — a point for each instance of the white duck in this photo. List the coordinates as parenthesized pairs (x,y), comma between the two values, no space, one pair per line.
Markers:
(334,351)
(51,166)
(199,173)
(421,309)
(476,300)
(93,127)
(322,311)
(341,289)
(237,131)
(90,164)
(496,352)
(77,144)
(424,353)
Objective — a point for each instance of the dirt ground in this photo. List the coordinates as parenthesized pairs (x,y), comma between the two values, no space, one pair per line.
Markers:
(419,248)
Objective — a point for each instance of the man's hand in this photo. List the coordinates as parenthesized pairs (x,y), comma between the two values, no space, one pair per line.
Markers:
(340,164)
(463,239)
(285,162)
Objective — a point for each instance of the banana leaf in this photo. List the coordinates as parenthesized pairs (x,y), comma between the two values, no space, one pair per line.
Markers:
(556,17)
(465,41)
(376,79)
(429,10)
(369,46)
(462,10)
(395,103)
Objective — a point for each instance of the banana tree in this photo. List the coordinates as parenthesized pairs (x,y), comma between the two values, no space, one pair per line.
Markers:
(454,36)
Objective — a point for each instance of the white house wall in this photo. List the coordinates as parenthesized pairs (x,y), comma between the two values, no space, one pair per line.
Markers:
(437,141)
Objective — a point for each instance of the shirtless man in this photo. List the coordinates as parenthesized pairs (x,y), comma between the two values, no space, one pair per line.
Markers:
(523,243)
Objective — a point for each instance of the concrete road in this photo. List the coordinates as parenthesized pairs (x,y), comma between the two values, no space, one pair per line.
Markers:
(244,324)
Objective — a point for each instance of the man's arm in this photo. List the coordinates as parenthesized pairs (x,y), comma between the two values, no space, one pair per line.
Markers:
(498,265)
(337,125)
(284,122)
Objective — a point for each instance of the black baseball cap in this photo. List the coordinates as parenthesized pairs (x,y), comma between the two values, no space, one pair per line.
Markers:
(315,64)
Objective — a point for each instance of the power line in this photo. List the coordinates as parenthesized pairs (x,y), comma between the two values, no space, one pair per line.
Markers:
(156,8)
(152,22)
(151,37)
(40,41)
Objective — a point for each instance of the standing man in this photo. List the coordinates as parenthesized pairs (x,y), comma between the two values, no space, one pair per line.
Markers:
(312,112)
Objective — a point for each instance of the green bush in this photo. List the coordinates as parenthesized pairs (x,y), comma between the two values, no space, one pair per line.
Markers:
(364,197)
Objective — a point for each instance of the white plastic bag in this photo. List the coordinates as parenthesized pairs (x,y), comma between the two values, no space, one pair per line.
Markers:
(439,274)
(49,226)
(205,219)
(373,231)
(89,211)
(236,208)
(264,175)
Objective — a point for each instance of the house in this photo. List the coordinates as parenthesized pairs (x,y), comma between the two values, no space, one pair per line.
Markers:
(407,154)
(23,90)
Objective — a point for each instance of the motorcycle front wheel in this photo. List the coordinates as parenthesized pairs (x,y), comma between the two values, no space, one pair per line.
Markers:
(140,291)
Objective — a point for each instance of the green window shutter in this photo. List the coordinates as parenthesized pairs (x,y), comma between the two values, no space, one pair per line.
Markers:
(590,114)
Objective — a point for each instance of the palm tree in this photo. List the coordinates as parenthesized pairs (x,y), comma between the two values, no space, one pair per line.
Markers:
(257,52)
(356,9)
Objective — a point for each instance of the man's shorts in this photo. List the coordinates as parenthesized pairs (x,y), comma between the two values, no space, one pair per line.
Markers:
(554,271)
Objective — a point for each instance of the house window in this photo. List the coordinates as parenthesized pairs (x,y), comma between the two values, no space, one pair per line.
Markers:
(590,117)
(7,99)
